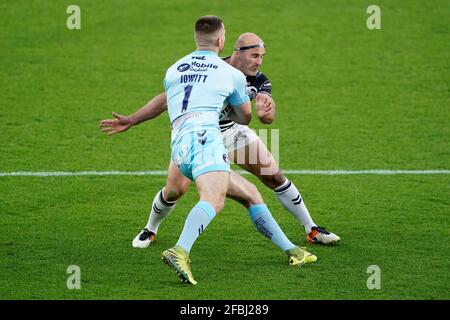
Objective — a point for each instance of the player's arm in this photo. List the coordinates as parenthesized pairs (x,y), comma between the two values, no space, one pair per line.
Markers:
(242,113)
(151,110)
(121,123)
(239,100)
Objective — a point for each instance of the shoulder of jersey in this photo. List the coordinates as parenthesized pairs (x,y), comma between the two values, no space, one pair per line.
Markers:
(236,71)
(224,63)
(261,75)
(184,59)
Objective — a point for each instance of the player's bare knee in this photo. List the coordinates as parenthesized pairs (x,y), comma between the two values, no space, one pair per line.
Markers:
(279,179)
(217,202)
(273,180)
(253,196)
(171,195)
(220,202)
(218,206)
(173,192)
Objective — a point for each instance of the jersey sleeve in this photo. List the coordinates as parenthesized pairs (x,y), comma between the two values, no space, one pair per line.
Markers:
(239,95)
(165,84)
(264,85)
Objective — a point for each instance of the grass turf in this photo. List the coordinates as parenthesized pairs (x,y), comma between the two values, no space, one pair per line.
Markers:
(347,98)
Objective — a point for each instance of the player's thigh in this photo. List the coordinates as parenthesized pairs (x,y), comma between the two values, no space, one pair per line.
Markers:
(243,191)
(257,159)
(212,187)
(176,184)
(247,150)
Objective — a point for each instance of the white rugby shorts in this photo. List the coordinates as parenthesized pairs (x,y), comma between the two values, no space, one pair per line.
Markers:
(237,137)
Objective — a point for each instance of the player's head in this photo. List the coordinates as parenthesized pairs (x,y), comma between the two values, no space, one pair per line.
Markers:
(210,33)
(248,53)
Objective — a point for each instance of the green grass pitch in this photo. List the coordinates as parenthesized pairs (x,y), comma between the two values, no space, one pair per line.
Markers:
(348,98)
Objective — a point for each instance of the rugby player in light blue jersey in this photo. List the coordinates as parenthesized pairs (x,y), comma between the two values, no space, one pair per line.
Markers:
(197,87)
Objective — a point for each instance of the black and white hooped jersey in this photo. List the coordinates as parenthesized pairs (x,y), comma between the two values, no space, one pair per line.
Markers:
(255,84)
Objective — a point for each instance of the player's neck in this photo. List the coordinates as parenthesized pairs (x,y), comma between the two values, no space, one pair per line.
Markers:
(233,61)
(214,49)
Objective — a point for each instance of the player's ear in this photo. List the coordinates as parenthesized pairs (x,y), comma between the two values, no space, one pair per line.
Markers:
(220,42)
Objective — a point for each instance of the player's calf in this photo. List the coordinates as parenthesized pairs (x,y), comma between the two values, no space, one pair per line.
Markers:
(161,208)
(243,191)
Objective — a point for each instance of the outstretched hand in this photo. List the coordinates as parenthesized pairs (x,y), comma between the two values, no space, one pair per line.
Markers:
(119,124)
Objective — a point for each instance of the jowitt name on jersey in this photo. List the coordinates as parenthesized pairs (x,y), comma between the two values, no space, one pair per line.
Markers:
(189,78)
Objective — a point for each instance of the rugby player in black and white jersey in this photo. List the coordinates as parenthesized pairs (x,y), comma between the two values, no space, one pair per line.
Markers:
(240,140)
(258,85)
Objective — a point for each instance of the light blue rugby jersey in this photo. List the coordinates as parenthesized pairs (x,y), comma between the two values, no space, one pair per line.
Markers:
(197,87)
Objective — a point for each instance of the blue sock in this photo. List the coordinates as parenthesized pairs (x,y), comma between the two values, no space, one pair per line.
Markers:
(196,222)
(267,226)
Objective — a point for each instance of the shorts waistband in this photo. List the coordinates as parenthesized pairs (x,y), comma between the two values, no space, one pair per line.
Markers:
(178,121)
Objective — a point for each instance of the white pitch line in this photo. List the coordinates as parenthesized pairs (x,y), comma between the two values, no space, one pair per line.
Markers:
(82,173)
(163,173)
(381,172)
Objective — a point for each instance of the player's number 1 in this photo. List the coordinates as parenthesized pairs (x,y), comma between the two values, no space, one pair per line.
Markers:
(187,94)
